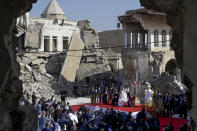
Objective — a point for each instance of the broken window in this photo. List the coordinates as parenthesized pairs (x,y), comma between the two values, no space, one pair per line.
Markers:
(65,43)
(54,43)
(46,43)
(163,38)
(156,38)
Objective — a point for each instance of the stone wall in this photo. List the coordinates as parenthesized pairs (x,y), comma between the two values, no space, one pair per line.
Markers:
(112,39)
(93,60)
(10,86)
(32,36)
(130,63)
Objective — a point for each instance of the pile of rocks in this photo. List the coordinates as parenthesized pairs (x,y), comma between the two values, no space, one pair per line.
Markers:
(167,83)
(35,77)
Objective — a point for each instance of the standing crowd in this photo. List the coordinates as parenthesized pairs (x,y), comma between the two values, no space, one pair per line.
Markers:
(173,104)
(111,95)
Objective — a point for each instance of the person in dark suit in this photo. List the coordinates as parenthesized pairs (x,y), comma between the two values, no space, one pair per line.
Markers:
(141,117)
(166,100)
(170,106)
(115,98)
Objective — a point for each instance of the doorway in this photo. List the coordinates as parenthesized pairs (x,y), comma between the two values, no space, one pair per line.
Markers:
(46,43)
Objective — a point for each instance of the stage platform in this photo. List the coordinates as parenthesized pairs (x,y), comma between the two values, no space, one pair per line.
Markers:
(164,121)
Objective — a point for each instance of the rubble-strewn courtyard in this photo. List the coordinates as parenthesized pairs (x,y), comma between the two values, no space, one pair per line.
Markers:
(52,67)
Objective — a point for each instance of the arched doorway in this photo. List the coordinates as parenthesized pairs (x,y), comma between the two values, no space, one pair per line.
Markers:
(171,67)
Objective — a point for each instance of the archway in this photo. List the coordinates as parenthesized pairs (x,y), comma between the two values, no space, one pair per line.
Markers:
(171,67)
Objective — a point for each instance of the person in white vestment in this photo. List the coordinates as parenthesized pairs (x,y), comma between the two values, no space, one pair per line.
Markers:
(122,98)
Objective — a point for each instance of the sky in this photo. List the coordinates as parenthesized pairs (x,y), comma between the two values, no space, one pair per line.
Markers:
(103,14)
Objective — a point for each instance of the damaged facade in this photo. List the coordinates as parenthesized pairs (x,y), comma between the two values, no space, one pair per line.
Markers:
(144,45)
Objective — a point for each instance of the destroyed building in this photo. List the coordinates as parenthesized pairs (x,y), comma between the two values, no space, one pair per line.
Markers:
(180,17)
(143,45)
(50,33)
(54,53)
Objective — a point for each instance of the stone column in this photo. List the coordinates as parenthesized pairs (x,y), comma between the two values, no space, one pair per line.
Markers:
(149,39)
(145,39)
(125,39)
(42,44)
(160,39)
(168,40)
(51,43)
(139,41)
(131,34)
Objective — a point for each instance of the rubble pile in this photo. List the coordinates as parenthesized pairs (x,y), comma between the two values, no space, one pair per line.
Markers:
(37,76)
(167,83)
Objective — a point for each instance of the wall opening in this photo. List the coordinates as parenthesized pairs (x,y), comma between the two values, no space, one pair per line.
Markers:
(46,43)
(65,43)
(171,67)
(156,38)
(55,43)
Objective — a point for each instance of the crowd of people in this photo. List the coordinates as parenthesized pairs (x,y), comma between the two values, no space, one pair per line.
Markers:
(59,116)
(173,104)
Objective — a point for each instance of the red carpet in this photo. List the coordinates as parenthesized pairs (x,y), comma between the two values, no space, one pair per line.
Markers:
(127,109)
(177,122)
(164,121)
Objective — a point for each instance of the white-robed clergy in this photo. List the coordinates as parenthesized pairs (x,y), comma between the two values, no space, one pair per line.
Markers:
(122,98)
(148,96)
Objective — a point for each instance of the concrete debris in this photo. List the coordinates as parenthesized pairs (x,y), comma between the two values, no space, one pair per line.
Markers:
(73,58)
(167,83)
(93,56)
(34,75)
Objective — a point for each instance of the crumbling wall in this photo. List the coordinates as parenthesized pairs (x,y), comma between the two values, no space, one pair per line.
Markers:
(32,35)
(112,38)
(10,86)
(136,61)
(93,59)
